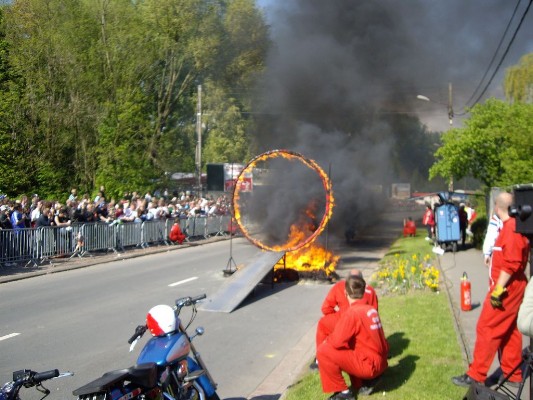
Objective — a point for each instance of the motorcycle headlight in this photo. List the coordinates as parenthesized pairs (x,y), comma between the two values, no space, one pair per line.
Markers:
(182,369)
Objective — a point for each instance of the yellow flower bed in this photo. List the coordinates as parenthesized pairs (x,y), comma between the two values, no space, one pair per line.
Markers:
(401,274)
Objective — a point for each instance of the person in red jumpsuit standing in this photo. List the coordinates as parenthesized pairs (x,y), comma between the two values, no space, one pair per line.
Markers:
(356,346)
(176,235)
(496,329)
(428,219)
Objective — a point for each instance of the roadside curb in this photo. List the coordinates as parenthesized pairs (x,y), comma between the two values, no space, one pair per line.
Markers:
(459,331)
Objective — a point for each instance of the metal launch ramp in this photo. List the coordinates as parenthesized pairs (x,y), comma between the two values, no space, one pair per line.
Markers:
(241,283)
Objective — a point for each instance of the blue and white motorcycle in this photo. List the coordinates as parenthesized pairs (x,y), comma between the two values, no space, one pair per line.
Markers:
(168,367)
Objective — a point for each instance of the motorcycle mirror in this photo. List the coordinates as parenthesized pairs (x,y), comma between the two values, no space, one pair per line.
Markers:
(200,331)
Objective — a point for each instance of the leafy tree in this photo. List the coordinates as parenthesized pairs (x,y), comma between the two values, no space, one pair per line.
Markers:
(517,160)
(226,138)
(17,169)
(245,46)
(228,93)
(103,92)
(51,111)
(518,82)
(493,147)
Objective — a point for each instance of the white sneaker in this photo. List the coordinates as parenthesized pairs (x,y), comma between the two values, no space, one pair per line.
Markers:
(438,250)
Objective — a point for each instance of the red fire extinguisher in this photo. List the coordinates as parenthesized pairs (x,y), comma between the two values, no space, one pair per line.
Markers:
(466,293)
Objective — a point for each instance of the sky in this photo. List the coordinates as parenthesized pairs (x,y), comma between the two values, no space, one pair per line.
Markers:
(338,68)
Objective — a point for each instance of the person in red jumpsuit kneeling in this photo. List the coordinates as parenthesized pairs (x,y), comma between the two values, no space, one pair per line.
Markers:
(409,228)
(332,307)
(335,303)
(176,235)
(356,346)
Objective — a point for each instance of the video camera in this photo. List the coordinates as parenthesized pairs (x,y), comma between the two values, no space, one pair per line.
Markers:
(521,209)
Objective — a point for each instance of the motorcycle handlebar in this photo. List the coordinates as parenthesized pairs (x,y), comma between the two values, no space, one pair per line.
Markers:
(196,299)
(43,376)
(189,301)
(139,331)
(30,378)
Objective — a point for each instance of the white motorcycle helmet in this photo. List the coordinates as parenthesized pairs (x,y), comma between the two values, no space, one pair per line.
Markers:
(161,320)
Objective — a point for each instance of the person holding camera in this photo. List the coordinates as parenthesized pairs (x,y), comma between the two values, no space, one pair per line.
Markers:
(496,329)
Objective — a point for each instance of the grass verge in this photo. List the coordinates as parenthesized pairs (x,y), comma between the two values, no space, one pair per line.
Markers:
(424,348)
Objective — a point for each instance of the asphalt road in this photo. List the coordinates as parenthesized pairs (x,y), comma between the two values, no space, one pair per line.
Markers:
(80,320)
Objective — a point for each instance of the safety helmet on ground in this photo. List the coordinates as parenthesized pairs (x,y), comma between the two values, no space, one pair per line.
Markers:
(161,320)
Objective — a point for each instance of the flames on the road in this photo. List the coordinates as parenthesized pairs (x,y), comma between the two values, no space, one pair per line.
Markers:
(304,253)
(313,261)
(329,203)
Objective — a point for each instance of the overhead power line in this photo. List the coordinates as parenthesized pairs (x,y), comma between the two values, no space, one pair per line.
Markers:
(503,56)
(495,53)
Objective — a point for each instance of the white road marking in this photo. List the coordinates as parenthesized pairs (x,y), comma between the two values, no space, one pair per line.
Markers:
(183,281)
(8,336)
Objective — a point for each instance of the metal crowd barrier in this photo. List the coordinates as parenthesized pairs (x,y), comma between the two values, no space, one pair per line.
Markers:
(36,246)
(199,226)
(129,235)
(184,226)
(212,225)
(154,232)
(94,237)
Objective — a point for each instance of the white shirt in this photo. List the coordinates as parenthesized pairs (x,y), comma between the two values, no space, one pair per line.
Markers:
(493,230)
(35,214)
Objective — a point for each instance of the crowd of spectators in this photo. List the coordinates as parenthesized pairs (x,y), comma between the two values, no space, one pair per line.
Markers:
(133,207)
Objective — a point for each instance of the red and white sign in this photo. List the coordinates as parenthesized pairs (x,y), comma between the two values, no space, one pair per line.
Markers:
(232,172)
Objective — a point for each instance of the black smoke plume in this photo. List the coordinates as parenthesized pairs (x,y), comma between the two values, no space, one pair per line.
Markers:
(342,77)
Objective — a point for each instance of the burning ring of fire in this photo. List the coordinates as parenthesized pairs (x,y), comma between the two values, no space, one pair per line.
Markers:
(290,155)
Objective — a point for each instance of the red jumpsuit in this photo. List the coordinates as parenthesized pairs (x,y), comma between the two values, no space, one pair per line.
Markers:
(176,235)
(334,304)
(357,346)
(409,228)
(496,328)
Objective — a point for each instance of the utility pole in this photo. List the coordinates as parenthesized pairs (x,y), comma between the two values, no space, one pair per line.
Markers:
(450,103)
(450,116)
(198,156)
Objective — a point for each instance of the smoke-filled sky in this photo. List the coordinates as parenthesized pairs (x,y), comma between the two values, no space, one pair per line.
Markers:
(376,50)
(339,69)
